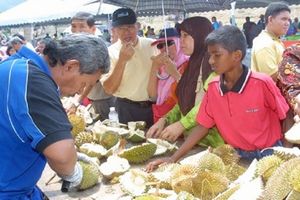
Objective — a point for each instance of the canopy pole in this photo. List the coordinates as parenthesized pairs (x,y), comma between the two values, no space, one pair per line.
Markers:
(164,22)
(136,5)
(99,8)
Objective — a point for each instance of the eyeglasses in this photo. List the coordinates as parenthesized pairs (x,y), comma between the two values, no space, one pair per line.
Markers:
(163,44)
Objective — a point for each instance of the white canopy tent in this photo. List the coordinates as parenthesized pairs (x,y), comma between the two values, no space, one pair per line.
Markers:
(36,11)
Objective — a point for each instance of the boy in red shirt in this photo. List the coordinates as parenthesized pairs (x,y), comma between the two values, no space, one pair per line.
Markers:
(246,106)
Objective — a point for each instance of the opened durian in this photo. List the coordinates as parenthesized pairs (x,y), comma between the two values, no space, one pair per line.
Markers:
(77,123)
(294,178)
(139,153)
(137,125)
(83,137)
(136,136)
(134,182)
(233,171)
(93,150)
(114,166)
(286,153)
(109,139)
(227,193)
(163,146)
(228,154)
(90,176)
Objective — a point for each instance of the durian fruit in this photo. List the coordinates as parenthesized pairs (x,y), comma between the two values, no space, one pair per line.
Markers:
(90,176)
(228,154)
(286,153)
(211,162)
(114,166)
(163,146)
(139,153)
(293,195)
(109,139)
(136,136)
(294,178)
(93,150)
(227,193)
(185,196)
(207,184)
(248,175)
(134,182)
(77,123)
(193,159)
(161,192)
(181,178)
(266,166)
(141,125)
(278,186)
(233,171)
(249,191)
(148,197)
(83,137)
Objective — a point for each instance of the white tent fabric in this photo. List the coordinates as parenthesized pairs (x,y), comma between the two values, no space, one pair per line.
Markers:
(34,11)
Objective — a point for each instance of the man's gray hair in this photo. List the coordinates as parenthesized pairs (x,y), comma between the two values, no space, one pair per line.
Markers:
(89,50)
(15,40)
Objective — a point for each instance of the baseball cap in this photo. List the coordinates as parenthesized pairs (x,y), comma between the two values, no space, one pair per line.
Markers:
(123,16)
(171,32)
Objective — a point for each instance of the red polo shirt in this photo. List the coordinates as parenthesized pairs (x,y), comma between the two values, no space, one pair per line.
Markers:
(248,116)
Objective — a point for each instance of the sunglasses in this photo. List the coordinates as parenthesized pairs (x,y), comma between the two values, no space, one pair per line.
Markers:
(163,44)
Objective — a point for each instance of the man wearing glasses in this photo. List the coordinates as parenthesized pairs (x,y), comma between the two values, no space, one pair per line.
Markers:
(130,69)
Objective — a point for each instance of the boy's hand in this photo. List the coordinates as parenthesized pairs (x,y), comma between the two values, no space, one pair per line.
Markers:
(154,164)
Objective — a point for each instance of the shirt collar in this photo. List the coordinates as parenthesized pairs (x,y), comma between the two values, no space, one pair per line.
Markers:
(239,85)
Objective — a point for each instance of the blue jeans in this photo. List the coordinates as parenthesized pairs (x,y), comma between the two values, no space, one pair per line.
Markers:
(258,154)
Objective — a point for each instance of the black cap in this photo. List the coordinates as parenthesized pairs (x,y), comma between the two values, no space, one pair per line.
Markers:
(123,16)
(171,32)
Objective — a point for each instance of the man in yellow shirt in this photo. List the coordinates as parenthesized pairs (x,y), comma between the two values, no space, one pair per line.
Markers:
(267,48)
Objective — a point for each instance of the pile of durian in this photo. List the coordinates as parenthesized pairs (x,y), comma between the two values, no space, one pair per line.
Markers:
(213,174)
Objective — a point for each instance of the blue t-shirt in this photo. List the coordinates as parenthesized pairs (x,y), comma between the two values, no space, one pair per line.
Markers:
(32,118)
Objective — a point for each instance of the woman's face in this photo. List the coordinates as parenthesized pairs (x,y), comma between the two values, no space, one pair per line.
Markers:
(186,43)
(172,51)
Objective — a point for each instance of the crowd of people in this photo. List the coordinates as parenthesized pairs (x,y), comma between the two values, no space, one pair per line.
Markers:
(189,82)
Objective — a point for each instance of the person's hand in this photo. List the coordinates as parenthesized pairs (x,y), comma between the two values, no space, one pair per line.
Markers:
(127,51)
(172,132)
(160,60)
(75,178)
(156,128)
(154,164)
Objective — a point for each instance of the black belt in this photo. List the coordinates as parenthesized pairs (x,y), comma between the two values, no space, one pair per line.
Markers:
(143,104)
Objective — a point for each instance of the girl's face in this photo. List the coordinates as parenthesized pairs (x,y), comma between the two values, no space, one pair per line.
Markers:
(171,48)
(186,43)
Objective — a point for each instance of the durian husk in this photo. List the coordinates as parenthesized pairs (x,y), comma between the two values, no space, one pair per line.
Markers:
(293,195)
(227,153)
(233,171)
(266,166)
(227,193)
(139,153)
(134,182)
(83,137)
(211,162)
(286,153)
(207,184)
(109,139)
(278,187)
(294,179)
(136,136)
(93,150)
(77,123)
(90,176)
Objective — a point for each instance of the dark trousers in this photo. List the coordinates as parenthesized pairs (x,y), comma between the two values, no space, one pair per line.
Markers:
(134,111)
(102,106)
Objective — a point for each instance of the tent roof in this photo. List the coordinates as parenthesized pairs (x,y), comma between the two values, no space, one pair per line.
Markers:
(38,11)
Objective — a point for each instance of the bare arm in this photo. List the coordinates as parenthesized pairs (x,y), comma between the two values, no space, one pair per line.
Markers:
(61,156)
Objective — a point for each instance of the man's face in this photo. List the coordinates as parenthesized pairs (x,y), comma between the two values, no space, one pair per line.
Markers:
(279,24)
(78,26)
(127,33)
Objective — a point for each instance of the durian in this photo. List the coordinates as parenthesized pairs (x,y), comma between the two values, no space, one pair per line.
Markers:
(193,159)
(294,178)
(134,182)
(233,171)
(93,150)
(163,146)
(136,136)
(267,165)
(114,166)
(139,153)
(249,191)
(141,125)
(228,154)
(109,139)
(83,137)
(90,176)
(293,195)
(211,162)
(148,197)
(286,153)
(227,193)
(77,123)
(293,134)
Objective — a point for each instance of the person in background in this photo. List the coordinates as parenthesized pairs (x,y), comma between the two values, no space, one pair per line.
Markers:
(246,106)
(267,47)
(41,44)
(248,29)
(130,69)
(101,101)
(10,50)
(215,23)
(166,71)
(191,87)
(261,24)
(24,41)
(35,129)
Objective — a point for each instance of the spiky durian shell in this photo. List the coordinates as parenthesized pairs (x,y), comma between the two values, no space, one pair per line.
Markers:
(227,153)
(77,123)
(266,166)
(93,150)
(83,137)
(233,171)
(286,153)
(211,162)
(109,139)
(294,179)
(136,136)
(181,178)
(207,184)
(90,176)
(139,153)
(293,195)
(278,187)
(227,193)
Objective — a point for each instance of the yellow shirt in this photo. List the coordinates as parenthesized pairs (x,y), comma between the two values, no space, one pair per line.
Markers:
(266,53)
(136,74)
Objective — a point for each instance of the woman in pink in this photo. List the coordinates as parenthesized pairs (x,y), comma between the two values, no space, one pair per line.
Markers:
(166,71)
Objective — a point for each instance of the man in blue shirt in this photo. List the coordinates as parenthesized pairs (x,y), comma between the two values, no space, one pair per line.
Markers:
(34,126)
